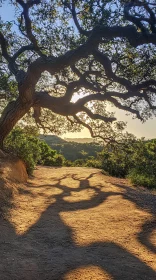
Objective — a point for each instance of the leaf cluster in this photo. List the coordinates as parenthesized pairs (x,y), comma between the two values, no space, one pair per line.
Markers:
(135,159)
(26,144)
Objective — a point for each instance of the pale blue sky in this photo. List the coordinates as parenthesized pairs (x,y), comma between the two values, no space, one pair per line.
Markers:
(134,126)
(6,11)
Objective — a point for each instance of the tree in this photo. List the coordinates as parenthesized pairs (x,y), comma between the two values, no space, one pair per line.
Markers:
(103,50)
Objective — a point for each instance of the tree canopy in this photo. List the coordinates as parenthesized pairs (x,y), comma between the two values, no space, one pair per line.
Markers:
(104,51)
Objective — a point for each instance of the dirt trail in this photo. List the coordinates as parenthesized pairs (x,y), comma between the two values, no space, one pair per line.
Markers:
(75,223)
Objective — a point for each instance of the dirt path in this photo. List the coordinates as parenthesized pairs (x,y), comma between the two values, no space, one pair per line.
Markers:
(75,223)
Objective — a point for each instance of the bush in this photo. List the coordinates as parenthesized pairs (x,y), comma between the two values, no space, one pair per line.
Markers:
(25,147)
(93,162)
(50,157)
(116,163)
(68,163)
(31,149)
(144,167)
(141,179)
(136,160)
(79,162)
(88,162)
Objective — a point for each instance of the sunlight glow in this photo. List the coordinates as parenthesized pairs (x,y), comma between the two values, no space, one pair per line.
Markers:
(134,126)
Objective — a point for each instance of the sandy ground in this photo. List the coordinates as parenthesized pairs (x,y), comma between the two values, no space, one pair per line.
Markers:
(75,223)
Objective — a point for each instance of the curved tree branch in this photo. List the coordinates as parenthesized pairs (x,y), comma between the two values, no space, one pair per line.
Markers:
(97,82)
(137,20)
(80,29)
(22,50)
(105,139)
(28,23)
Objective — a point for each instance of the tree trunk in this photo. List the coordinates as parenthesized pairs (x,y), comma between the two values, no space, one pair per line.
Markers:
(10,116)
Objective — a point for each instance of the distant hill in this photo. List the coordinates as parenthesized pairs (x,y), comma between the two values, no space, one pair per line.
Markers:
(79,140)
(52,139)
(73,148)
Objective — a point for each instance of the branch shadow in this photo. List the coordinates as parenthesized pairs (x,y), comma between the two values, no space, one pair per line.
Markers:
(146,201)
(47,250)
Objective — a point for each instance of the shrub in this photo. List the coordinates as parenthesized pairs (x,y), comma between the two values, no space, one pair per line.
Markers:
(67,163)
(144,167)
(50,157)
(93,162)
(136,160)
(79,162)
(89,162)
(141,179)
(25,147)
(31,149)
(115,163)
(46,153)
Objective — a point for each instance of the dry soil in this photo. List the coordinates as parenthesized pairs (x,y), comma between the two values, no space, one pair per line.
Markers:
(75,223)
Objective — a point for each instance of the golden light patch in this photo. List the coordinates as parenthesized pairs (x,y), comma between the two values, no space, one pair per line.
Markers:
(87,273)
(153,238)
(113,220)
(106,222)
(80,195)
(106,213)
(30,206)
(70,183)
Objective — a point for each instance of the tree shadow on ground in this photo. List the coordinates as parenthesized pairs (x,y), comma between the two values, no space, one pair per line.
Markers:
(146,201)
(47,251)
(6,195)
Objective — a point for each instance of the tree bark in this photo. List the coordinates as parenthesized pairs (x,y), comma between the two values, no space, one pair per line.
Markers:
(10,116)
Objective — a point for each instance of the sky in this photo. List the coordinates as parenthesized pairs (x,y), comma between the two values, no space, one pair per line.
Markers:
(6,11)
(134,126)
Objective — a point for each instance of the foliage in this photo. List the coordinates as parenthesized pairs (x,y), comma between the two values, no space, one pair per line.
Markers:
(116,163)
(68,163)
(79,162)
(93,162)
(87,162)
(49,157)
(135,160)
(73,151)
(27,146)
(65,63)
(142,178)
(144,164)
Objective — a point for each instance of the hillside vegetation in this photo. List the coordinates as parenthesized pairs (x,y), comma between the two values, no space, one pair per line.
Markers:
(73,150)
(26,144)
(132,158)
